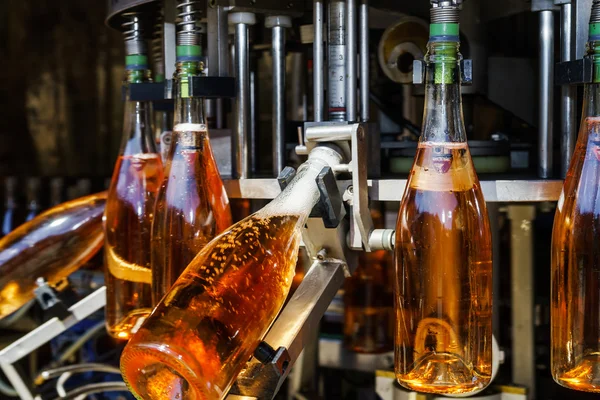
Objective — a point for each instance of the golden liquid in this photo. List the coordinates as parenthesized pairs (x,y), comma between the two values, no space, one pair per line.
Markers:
(52,245)
(443,296)
(369,311)
(128,220)
(575,328)
(209,324)
(191,209)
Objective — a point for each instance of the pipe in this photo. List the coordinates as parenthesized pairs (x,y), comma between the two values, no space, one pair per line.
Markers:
(363,16)
(252,138)
(239,148)
(318,85)
(568,96)
(278,25)
(546,93)
(351,73)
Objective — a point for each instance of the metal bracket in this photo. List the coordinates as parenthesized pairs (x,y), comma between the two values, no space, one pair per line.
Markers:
(49,300)
(209,87)
(43,334)
(466,72)
(329,207)
(574,72)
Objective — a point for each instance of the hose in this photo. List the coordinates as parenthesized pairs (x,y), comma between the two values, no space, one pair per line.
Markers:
(94,388)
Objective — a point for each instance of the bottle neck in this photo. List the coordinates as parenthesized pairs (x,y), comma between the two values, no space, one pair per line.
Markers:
(302,193)
(591,96)
(443,117)
(138,128)
(188,110)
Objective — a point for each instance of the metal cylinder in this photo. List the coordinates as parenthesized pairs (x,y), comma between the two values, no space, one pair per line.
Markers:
(568,97)
(351,74)
(546,93)
(318,94)
(240,142)
(252,129)
(188,31)
(133,31)
(278,25)
(336,60)
(363,26)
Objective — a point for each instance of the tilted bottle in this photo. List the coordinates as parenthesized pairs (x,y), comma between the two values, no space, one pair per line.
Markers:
(368,302)
(575,322)
(208,325)
(52,245)
(192,206)
(443,252)
(129,211)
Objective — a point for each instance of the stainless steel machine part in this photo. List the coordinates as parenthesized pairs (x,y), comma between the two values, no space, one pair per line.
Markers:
(351,59)
(240,142)
(522,284)
(363,33)
(318,64)
(278,25)
(568,97)
(336,60)
(546,93)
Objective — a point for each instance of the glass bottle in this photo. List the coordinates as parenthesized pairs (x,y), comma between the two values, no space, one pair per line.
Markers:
(192,206)
(575,323)
(443,253)
(208,325)
(33,198)
(129,212)
(368,302)
(52,245)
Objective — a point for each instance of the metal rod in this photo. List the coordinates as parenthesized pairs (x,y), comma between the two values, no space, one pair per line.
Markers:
(363,26)
(239,148)
(217,39)
(336,60)
(278,24)
(568,97)
(546,93)
(351,55)
(318,85)
(253,152)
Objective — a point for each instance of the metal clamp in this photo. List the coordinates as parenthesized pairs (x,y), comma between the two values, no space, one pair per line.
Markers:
(466,72)
(48,298)
(575,72)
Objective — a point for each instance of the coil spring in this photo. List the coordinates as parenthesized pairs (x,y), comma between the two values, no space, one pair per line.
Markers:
(133,33)
(188,32)
(595,16)
(450,15)
(157,44)
(446,3)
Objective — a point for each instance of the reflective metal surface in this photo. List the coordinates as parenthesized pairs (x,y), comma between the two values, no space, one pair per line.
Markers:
(502,191)
(546,93)
(351,72)
(318,69)
(522,285)
(363,33)
(332,354)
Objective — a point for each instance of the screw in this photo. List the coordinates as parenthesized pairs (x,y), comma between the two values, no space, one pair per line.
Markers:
(321,254)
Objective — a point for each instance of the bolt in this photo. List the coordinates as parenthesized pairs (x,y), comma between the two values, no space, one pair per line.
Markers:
(321,254)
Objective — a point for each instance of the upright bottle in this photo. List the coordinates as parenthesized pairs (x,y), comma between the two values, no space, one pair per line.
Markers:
(443,302)
(368,304)
(129,211)
(52,245)
(208,325)
(575,326)
(192,206)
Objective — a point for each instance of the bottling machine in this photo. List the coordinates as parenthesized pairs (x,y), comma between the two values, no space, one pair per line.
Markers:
(312,68)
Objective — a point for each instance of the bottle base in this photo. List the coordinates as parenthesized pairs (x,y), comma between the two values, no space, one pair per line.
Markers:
(585,376)
(443,374)
(157,371)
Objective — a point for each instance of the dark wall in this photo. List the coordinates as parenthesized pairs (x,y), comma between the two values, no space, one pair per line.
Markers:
(60,88)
